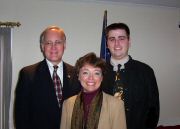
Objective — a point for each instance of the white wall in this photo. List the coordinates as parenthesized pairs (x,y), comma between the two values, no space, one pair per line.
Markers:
(155,38)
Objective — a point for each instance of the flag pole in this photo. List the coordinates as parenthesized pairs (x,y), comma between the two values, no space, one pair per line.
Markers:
(103,49)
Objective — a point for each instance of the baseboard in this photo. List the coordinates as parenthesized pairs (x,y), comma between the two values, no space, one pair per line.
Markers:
(170,121)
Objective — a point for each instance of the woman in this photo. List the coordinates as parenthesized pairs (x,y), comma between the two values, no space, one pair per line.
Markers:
(92,108)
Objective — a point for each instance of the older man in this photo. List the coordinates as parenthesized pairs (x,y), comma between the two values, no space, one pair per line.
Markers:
(43,86)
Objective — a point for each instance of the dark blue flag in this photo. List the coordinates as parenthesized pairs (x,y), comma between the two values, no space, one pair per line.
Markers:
(104,52)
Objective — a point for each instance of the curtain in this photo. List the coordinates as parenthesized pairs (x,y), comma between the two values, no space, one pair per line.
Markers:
(5,75)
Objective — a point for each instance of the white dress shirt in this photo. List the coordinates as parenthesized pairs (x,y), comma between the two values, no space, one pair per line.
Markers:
(59,70)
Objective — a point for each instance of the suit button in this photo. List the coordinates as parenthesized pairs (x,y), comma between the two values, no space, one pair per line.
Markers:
(127,109)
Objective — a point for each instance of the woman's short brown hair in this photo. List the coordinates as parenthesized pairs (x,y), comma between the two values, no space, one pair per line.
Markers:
(91,59)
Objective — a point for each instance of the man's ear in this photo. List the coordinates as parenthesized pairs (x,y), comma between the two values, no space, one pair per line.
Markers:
(42,47)
(129,42)
(65,45)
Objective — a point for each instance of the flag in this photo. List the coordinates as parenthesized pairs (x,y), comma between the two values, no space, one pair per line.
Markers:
(104,52)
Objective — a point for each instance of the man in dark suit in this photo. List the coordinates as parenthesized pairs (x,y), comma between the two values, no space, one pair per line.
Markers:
(36,102)
(130,80)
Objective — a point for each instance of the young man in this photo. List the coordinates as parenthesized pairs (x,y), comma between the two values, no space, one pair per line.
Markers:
(43,86)
(130,80)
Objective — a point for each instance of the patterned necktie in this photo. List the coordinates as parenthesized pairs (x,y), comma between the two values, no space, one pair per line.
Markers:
(57,85)
(118,87)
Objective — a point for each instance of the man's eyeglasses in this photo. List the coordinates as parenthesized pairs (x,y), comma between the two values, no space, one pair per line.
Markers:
(56,43)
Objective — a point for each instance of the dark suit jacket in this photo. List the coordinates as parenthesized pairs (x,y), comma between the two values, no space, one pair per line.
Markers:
(36,105)
(141,94)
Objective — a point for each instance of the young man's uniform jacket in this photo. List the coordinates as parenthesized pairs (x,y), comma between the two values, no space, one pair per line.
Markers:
(36,105)
(140,93)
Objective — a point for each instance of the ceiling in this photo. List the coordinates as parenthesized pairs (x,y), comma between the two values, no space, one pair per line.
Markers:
(167,3)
